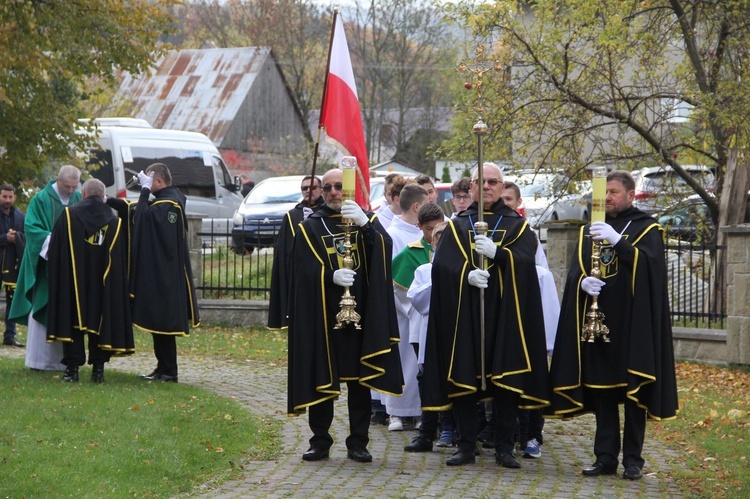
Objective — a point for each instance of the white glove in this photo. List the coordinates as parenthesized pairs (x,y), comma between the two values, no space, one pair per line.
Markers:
(145,180)
(352,211)
(479,278)
(592,286)
(601,231)
(344,277)
(485,246)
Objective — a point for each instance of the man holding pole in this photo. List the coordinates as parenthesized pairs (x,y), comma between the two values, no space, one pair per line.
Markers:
(633,363)
(502,353)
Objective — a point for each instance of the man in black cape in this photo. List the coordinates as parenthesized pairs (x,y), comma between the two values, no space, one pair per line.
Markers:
(282,251)
(161,279)
(637,366)
(515,366)
(88,285)
(321,356)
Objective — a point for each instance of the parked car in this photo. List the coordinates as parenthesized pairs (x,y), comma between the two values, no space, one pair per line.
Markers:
(258,219)
(444,197)
(658,187)
(688,220)
(551,196)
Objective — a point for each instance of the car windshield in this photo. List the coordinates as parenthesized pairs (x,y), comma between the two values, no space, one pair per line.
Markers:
(275,191)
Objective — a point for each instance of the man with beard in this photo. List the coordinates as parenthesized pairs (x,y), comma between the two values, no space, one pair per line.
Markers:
(322,353)
(514,365)
(282,250)
(88,285)
(12,243)
(637,366)
(32,292)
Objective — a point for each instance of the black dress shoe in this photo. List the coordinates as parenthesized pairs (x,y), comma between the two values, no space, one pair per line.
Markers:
(632,472)
(165,377)
(97,373)
(151,376)
(360,455)
(460,458)
(70,375)
(12,342)
(419,444)
(599,468)
(315,454)
(507,460)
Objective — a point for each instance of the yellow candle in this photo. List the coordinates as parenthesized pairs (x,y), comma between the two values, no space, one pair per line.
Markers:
(599,195)
(349,169)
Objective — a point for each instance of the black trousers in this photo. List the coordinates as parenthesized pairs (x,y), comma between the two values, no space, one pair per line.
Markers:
(321,417)
(74,353)
(530,425)
(607,440)
(431,419)
(505,410)
(165,350)
(10,326)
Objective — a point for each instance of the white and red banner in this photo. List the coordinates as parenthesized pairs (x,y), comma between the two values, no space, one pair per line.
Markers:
(340,114)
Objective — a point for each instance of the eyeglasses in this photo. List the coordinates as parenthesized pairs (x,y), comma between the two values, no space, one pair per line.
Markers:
(492,182)
(306,188)
(462,198)
(339,187)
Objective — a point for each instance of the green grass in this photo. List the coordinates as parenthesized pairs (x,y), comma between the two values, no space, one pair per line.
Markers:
(712,430)
(127,438)
(230,344)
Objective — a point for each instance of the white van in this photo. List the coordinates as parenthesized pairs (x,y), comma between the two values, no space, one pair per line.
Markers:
(128,146)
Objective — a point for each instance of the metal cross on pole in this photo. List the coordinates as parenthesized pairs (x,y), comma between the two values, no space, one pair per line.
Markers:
(477,72)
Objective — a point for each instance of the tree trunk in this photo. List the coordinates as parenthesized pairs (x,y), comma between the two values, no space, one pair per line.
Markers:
(732,209)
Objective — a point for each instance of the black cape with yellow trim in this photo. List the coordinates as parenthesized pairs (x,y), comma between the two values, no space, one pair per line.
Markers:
(639,360)
(161,279)
(282,261)
(320,356)
(88,278)
(515,355)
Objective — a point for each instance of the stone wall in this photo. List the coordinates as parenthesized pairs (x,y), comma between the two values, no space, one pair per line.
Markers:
(738,293)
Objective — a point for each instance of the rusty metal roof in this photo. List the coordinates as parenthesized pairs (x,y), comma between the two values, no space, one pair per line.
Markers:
(196,90)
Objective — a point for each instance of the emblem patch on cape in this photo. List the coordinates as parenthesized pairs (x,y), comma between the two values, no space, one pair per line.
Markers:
(97,238)
(172,217)
(335,248)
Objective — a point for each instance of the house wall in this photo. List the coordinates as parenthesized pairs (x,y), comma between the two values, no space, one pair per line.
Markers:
(267,135)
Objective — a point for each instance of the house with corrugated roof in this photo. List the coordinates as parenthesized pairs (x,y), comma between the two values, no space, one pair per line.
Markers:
(238,97)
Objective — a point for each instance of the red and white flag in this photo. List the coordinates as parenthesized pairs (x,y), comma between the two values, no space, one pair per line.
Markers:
(340,114)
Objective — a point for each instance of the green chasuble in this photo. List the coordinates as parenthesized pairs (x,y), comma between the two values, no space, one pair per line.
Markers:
(32,291)
(406,262)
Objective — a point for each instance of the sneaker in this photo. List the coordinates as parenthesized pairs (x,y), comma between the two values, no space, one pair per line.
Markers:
(446,437)
(533,449)
(396,424)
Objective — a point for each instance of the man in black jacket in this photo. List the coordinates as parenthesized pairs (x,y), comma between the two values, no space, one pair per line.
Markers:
(12,241)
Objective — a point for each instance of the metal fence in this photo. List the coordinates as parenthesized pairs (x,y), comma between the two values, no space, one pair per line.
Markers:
(696,289)
(230,269)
